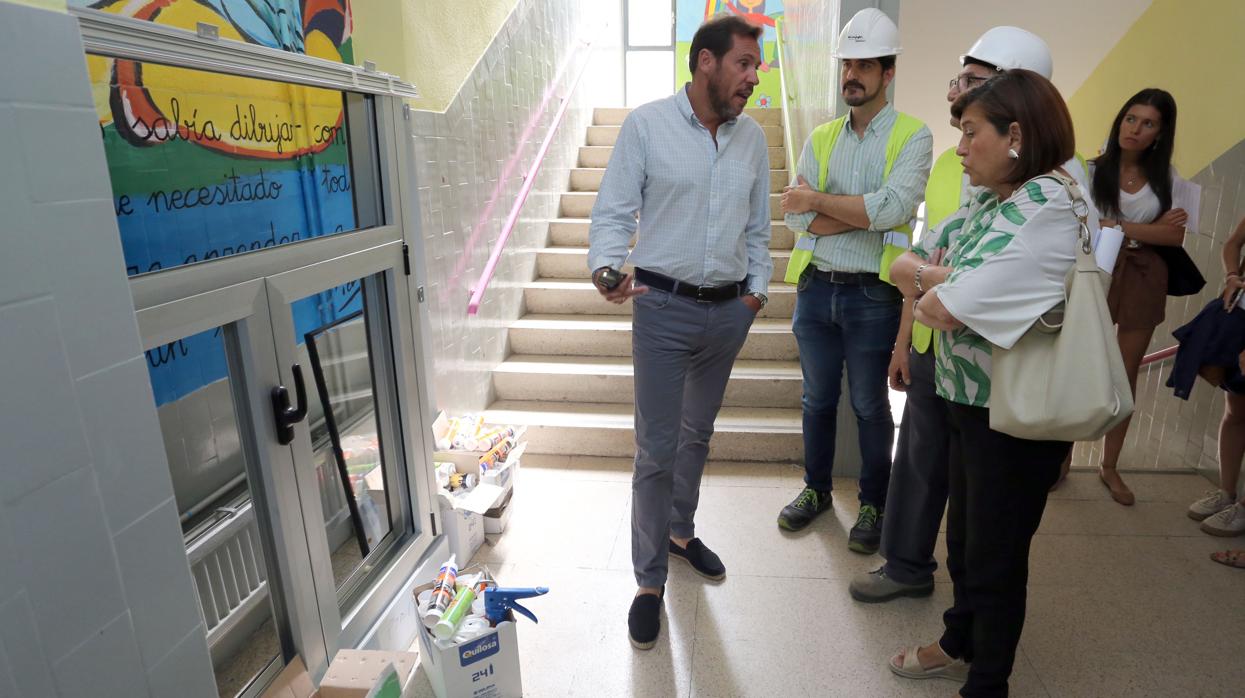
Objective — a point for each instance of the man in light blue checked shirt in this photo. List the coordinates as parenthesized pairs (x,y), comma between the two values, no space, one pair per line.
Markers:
(696,171)
(867,173)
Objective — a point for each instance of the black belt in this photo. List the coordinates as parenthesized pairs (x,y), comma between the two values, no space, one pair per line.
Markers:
(701,294)
(857,278)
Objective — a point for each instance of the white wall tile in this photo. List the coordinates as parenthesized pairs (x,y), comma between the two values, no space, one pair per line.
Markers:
(185,672)
(41,45)
(68,568)
(8,689)
(30,277)
(463,154)
(20,645)
(99,328)
(105,665)
(128,455)
(43,438)
(63,153)
(155,576)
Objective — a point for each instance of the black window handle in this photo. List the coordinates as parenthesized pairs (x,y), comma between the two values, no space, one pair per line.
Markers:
(285,414)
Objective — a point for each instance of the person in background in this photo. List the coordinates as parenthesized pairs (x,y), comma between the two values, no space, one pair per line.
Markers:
(1132,188)
(696,170)
(1220,511)
(860,180)
(918,486)
(1008,267)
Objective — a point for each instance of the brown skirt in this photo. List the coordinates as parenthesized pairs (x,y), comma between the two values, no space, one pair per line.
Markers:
(1138,294)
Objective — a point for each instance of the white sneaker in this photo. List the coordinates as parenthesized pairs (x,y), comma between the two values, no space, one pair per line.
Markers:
(1214,502)
(1227,523)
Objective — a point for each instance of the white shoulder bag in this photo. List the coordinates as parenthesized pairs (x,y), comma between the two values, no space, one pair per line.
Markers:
(1065,380)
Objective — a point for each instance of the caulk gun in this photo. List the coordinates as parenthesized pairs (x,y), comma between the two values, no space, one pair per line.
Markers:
(498,602)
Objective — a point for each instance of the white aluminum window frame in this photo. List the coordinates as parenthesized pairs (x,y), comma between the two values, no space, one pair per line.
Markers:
(163,300)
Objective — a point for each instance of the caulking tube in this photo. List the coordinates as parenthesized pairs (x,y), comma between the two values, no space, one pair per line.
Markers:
(442,590)
(444,629)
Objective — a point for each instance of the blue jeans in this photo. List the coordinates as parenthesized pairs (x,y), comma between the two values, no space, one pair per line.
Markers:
(835,323)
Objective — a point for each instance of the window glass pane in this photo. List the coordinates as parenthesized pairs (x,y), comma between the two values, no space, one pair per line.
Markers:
(204,165)
(344,418)
(220,522)
(650,76)
(649,22)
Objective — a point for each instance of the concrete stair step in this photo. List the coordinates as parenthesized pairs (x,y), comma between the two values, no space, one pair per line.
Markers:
(599,429)
(572,263)
(608,135)
(770,339)
(580,297)
(599,156)
(589,179)
(613,116)
(579,204)
(610,379)
(573,232)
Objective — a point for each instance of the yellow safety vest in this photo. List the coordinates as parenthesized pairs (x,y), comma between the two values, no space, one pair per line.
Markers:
(944,193)
(896,242)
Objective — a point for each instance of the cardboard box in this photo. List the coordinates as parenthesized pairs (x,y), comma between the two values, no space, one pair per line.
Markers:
(483,667)
(486,667)
(496,519)
(463,527)
(354,673)
(503,476)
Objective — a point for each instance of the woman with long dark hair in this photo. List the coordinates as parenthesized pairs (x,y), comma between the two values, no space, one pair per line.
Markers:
(1132,189)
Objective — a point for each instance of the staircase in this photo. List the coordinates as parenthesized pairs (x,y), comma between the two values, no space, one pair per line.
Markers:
(569,375)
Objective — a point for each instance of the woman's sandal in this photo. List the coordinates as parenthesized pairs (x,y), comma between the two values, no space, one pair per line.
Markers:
(1231,558)
(953,670)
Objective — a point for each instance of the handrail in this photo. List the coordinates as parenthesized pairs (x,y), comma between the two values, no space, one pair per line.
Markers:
(784,98)
(1159,355)
(529,180)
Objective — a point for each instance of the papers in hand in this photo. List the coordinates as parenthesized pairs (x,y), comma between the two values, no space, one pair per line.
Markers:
(1188,196)
(1107,248)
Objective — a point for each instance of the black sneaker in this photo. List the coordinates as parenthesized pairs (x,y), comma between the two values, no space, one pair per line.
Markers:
(866,535)
(644,620)
(706,562)
(804,509)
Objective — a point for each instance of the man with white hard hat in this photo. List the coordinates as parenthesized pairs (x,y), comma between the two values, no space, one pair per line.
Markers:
(918,484)
(861,177)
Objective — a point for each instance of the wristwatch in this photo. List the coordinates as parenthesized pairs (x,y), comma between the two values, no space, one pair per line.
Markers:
(761,298)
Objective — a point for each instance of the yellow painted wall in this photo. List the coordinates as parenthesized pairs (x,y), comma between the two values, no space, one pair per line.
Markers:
(57,5)
(431,44)
(1191,48)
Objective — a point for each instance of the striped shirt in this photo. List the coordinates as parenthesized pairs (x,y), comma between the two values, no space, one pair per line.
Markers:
(704,215)
(856,166)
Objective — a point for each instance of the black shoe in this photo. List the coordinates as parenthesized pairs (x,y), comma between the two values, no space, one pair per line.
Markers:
(644,619)
(706,562)
(866,535)
(804,509)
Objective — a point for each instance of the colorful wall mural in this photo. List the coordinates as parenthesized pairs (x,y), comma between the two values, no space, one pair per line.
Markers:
(689,14)
(205,165)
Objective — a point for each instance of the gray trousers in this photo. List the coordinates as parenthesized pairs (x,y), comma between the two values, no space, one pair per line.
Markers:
(917,494)
(683,352)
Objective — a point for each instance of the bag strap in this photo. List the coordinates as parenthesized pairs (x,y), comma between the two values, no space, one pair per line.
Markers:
(1080,209)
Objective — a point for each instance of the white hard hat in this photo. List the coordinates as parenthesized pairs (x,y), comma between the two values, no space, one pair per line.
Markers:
(869,34)
(1012,47)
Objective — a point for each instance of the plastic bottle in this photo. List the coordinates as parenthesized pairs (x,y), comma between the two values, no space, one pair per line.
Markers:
(442,590)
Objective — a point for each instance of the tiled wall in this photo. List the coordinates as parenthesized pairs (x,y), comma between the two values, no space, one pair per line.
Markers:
(1168,433)
(95,590)
(810,30)
(462,155)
